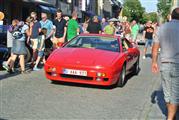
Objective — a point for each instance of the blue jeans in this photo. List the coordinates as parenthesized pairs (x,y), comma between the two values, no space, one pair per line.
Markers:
(170,82)
(148,42)
(40,53)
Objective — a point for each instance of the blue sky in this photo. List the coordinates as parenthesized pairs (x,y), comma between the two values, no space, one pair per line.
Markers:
(150,5)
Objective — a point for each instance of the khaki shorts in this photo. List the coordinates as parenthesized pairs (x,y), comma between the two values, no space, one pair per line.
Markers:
(34,43)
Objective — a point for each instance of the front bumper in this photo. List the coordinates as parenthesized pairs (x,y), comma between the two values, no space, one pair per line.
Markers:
(109,79)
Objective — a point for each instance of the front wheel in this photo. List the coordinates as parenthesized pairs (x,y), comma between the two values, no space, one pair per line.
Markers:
(136,68)
(122,77)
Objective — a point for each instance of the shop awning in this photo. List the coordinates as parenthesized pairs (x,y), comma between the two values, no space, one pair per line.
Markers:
(48,9)
(89,13)
(45,6)
(36,1)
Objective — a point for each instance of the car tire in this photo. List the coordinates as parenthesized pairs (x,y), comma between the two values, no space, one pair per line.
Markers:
(122,77)
(28,55)
(136,68)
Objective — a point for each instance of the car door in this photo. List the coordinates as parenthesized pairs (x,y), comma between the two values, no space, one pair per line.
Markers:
(128,53)
(133,51)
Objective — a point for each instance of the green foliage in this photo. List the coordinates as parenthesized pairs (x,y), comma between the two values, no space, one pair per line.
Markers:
(163,7)
(149,16)
(133,10)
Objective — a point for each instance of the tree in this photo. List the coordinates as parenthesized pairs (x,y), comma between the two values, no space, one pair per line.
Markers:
(133,10)
(163,7)
(150,16)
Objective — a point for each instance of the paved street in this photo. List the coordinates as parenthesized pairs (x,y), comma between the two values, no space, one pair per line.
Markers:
(32,96)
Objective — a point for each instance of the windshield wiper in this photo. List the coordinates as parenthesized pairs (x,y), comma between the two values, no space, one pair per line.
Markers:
(74,45)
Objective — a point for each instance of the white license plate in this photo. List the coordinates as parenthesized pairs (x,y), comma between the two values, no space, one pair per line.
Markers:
(75,72)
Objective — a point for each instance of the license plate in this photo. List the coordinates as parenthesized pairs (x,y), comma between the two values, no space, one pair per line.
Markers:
(75,72)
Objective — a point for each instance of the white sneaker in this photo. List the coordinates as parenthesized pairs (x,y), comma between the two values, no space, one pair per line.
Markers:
(36,69)
(5,66)
(144,57)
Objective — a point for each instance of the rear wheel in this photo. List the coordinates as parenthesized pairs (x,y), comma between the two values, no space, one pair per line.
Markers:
(122,77)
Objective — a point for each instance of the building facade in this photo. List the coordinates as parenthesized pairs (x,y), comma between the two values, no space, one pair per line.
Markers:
(175,3)
(20,9)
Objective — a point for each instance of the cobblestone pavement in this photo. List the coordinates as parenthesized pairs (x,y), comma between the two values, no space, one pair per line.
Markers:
(33,97)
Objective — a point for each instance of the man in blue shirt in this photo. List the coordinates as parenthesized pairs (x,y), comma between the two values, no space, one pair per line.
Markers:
(46,23)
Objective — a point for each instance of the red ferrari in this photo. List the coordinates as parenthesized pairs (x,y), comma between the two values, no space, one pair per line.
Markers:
(95,59)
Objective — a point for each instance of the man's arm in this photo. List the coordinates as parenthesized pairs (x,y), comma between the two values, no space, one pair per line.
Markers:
(65,32)
(28,32)
(88,28)
(78,31)
(77,28)
(155,48)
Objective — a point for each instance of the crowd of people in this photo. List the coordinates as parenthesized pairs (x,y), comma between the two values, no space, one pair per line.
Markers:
(46,33)
(52,34)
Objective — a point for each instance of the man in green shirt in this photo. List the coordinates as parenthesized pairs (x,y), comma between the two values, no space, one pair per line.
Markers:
(134,30)
(72,28)
(110,29)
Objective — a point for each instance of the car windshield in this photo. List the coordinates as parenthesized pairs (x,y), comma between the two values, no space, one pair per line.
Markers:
(94,42)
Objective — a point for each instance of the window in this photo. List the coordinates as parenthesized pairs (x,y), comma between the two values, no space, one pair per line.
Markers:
(126,44)
(95,42)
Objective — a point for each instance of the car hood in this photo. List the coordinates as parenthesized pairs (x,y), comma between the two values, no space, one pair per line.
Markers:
(82,56)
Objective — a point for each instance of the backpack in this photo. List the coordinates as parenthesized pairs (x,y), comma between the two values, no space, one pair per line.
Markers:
(17,33)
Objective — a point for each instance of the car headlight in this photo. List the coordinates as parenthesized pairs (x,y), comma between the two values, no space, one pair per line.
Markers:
(52,69)
(101,74)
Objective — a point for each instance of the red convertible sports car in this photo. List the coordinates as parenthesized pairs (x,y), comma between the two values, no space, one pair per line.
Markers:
(95,59)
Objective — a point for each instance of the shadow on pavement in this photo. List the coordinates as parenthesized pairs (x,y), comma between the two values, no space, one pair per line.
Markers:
(17,72)
(2,119)
(129,76)
(7,75)
(83,85)
(158,97)
(149,55)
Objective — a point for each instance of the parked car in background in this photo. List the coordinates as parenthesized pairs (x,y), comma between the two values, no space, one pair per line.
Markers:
(95,59)
(4,54)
